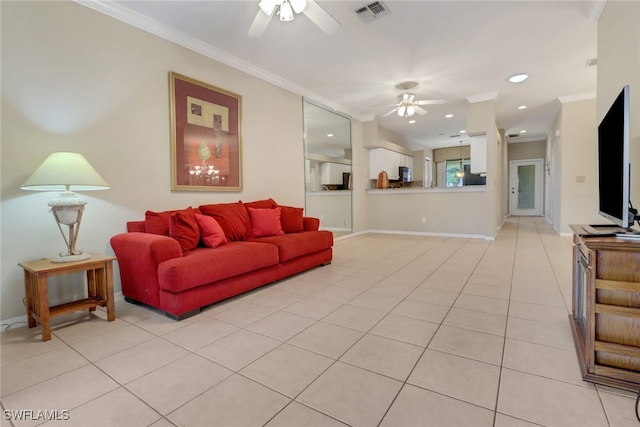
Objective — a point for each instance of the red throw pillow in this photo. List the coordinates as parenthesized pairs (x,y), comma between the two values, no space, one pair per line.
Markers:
(291,219)
(157,222)
(261,204)
(232,217)
(184,228)
(211,234)
(265,222)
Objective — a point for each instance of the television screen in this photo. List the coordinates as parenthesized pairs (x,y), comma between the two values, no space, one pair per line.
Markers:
(613,161)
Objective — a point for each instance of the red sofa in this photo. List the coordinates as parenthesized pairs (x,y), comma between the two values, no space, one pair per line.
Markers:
(168,268)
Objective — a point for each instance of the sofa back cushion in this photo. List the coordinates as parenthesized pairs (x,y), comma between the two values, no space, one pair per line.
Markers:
(184,228)
(232,217)
(211,234)
(265,222)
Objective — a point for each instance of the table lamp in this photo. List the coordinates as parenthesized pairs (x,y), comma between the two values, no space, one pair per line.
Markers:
(66,172)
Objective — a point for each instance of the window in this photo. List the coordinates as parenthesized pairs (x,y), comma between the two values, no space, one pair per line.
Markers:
(453,166)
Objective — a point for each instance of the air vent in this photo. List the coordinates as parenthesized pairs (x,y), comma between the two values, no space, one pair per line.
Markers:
(454,136)
(372,11)
(514,135)
(591,62)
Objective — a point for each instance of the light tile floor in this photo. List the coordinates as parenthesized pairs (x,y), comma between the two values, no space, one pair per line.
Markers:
(398,331)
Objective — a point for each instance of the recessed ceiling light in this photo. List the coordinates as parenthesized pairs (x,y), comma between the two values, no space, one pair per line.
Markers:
(523,131)
(522,107)
(518,78)
(463,131)
(412,121)
(448,116)
(329,135)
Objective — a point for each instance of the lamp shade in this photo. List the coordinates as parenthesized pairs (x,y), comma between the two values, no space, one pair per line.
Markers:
(65,172)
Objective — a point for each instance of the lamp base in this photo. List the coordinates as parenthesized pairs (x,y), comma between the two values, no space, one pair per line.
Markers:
(70,258)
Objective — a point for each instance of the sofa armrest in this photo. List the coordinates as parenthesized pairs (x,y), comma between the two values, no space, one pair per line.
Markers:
(139,255)
(310,223)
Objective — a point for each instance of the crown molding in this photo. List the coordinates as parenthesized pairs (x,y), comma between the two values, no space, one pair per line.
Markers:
(597,6)
(144,23)
(491,96)
(577,97)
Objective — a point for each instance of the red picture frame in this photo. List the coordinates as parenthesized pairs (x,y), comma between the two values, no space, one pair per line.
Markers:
(206,136)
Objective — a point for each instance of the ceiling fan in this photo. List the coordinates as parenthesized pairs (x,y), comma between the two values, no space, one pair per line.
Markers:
(407,104)
(286,9)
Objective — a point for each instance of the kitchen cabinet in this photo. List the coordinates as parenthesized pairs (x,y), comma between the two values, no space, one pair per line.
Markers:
(381,159)
(331,173)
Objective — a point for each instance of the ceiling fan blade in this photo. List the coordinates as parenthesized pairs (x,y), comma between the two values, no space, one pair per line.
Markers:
(431,101)
(259,24)
(321,18)
(385,106)
(420,110)
(391,112)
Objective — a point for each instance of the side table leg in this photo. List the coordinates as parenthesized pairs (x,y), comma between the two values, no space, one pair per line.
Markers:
(91,286)
(43,307)
(111,307)
(28,293)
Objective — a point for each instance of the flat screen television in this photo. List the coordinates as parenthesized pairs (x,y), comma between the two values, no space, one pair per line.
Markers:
(613,162)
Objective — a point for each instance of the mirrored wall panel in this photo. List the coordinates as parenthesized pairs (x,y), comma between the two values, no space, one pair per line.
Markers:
(327,165)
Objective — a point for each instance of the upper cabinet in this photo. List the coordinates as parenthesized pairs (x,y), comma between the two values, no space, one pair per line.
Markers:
(332,173)
(479,154)
(381,159)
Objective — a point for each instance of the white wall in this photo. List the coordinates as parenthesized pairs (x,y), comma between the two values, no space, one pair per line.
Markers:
(578,182)
(76,80)
(619,65)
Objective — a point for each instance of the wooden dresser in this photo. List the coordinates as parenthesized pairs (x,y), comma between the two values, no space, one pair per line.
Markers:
(606,309)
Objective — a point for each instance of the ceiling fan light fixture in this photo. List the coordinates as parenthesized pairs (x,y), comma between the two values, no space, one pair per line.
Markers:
(406,97)
(286,12)
(298,5)
(268,6)
(410,111)
(402,110)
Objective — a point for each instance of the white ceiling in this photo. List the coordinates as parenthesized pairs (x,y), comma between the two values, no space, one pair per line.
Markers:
(453,49)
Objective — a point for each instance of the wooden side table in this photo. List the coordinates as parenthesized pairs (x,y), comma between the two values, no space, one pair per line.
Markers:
(99,270)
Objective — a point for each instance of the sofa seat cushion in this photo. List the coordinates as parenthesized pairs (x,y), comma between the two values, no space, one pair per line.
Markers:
(291,246)
(206,265)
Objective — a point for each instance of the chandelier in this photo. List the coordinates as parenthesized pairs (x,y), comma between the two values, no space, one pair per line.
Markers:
(460,172)
(206,173)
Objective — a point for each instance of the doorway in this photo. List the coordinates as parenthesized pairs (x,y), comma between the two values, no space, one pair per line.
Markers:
(525,196)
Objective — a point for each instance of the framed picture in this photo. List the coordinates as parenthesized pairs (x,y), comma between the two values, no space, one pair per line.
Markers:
(206,136)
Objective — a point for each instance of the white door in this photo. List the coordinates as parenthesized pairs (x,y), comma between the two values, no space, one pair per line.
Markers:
(526,187)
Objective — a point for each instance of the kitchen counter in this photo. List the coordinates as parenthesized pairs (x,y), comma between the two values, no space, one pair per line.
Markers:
(463,189)
(329,193)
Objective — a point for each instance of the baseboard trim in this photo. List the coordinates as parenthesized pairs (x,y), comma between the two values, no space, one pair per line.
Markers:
(432,234)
